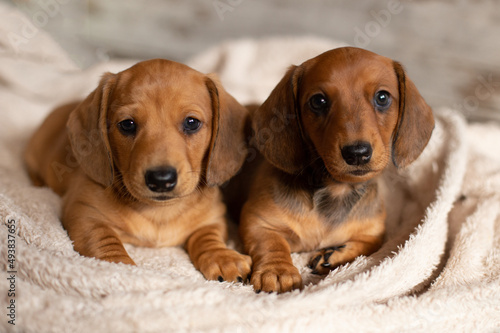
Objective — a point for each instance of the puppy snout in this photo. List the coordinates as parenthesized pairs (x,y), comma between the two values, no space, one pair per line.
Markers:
(357,154)
(161,179)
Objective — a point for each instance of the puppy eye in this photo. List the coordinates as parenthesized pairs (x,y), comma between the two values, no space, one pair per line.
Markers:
(127,127)
(382,100)
(318,103)
(191,125)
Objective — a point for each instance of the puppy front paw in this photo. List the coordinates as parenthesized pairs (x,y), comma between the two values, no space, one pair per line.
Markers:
(225,265)
(325,260)
(280,278)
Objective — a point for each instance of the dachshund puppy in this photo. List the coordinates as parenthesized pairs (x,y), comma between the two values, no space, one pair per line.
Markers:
(139,161)
(327,131)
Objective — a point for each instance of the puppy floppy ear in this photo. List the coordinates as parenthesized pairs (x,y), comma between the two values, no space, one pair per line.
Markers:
(88,134)
(415,122)
(276,125)
(228,148)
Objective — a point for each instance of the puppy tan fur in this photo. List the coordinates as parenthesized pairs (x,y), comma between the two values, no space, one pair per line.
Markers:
(328,130)
(139,161)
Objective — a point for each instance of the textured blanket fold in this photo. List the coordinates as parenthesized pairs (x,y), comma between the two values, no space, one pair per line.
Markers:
(438,270)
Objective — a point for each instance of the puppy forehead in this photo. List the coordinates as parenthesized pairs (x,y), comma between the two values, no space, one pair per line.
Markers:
(349,67)
(161,81)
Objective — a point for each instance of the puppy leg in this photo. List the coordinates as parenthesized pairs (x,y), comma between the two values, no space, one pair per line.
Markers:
(273,269)
(88,226)
(329,258)
(97,240)
(209,254)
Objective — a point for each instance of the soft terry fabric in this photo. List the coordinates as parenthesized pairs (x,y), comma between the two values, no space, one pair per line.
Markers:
(438,270)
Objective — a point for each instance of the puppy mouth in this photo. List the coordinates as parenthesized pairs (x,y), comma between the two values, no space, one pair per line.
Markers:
(146,197)
(359,172)
(161,198)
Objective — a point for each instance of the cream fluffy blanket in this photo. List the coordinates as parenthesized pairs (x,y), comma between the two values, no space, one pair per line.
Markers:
(438,271)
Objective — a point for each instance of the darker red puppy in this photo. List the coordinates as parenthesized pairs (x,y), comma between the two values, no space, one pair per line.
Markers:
(327,131)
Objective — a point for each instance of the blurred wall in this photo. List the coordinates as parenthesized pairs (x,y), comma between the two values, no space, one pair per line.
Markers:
(451,49)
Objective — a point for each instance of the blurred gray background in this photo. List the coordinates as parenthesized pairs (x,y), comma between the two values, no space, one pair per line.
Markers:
(451,49)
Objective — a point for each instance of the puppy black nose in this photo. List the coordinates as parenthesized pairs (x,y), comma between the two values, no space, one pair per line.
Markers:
(161,179)
(357,154)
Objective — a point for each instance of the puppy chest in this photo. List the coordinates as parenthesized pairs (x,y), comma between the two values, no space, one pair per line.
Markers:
(170,224)
(158,230)
(334,220)
(148,234)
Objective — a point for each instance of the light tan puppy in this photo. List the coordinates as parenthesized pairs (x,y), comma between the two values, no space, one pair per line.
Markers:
(139,161)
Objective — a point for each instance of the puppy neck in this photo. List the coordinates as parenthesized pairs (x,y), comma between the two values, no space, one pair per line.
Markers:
(314,191)
(336,201)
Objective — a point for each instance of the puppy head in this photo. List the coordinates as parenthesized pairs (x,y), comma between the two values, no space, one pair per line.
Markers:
(158,130)
(351,108)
